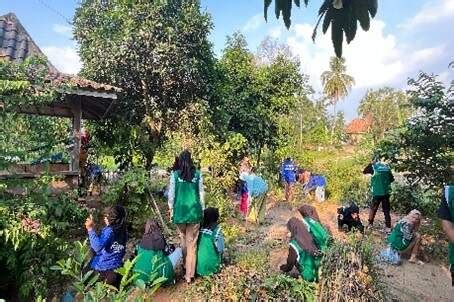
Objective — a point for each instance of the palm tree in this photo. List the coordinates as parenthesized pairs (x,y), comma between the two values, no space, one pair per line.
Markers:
(336,83)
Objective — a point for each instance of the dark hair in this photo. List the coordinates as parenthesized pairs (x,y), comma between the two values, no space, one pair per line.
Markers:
(176,164)
(186,166)
(116,216)
(210,218)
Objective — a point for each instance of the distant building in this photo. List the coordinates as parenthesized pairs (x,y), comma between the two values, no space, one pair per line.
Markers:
(357,128)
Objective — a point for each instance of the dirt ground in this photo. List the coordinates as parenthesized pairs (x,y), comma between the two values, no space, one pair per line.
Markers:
(408,282)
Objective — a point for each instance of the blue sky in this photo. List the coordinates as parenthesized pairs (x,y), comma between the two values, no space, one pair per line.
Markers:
(406,36)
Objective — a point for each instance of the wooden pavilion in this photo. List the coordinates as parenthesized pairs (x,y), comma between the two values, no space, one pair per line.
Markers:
(84,100)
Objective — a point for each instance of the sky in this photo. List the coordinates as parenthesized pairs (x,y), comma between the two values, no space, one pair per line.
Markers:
(405,37)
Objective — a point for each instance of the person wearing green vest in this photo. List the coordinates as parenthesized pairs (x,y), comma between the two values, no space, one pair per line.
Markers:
(186,204)
(446,214)
(404,237)
(381,180)
(303,252)
(319,232)
(154,259)
(211,244)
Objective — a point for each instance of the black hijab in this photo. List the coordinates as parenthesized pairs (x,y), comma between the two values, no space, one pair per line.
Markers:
(116,216)
(152,238)
(210,218)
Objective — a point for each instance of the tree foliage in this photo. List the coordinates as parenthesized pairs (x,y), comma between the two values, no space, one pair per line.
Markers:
(386,109)
(342,15)
(253,97)
(336,82)
(158,52)
(423,147)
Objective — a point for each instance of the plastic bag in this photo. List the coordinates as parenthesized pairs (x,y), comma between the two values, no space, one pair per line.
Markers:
(390,255)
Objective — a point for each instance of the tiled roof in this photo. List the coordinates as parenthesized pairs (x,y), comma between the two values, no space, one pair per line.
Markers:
(358,126)
(79,82)
(16,45)
(15,42)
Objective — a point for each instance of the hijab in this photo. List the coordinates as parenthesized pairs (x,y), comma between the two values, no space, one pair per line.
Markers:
(309,211)
(210,218)
(413,218)
(302,236)
(116,216)
(152,238)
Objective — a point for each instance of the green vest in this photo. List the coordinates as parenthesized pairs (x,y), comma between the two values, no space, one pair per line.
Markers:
(151,265)
(208,258)
(381,180)
(308,265)
(186,206)
(320,235)
(396,238)
(449,196)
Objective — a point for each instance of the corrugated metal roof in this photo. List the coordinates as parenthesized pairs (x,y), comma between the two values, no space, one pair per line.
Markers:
(358,126)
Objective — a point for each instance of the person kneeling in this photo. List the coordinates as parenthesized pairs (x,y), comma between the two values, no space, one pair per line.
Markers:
(404,239)
(211,244)
(155,259)
(348,215)
(110,246)
(302,253)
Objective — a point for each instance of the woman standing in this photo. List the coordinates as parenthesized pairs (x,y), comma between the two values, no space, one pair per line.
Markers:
(186,206)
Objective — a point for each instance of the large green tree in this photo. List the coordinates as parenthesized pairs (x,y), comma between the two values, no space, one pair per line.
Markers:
(158,52)
(253,97)
(386,109)
(423,146)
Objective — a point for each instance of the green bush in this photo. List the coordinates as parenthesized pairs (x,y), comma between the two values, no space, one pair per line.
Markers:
(285,288)
(349,272)
(405,198)
(131,190)
(34,232)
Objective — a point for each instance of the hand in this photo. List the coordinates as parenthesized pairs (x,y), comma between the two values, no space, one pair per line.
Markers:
(170,212)
(89,224)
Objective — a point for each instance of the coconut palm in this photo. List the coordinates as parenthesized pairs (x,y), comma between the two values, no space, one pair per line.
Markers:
(336,83)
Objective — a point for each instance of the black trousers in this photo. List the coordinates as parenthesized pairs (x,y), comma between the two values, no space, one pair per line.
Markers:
(386,206)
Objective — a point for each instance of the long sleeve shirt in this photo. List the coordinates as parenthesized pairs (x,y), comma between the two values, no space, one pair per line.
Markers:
(171,191)
(109,253)
(291,260)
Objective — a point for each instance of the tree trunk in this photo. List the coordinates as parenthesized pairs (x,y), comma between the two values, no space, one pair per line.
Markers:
(259,154)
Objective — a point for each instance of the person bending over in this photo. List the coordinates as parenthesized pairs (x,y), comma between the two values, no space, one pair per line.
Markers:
(155,258)
(303,252)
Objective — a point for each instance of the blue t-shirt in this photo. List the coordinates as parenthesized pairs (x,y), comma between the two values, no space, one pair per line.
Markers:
(288,171)
(109,252)
(256,185)
(315,181)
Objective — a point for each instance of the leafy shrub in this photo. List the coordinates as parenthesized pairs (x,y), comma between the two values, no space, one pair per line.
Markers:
(87,287)
(253,260)
(405,198)
(285,288)
(131,190)
(34,232)
(349,272)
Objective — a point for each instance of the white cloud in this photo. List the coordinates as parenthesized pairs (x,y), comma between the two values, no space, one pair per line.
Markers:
(432,12)
(373,58)
(254,23)
(275,32)
(64,30)
(65,59)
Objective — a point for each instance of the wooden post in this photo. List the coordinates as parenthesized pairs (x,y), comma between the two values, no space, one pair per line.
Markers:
(77,118)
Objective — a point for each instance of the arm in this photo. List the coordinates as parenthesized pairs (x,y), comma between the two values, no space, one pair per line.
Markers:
(219,241)
(291,260)
(448,228)
(171,191)
(368,169)
(97,243)
(201,192)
